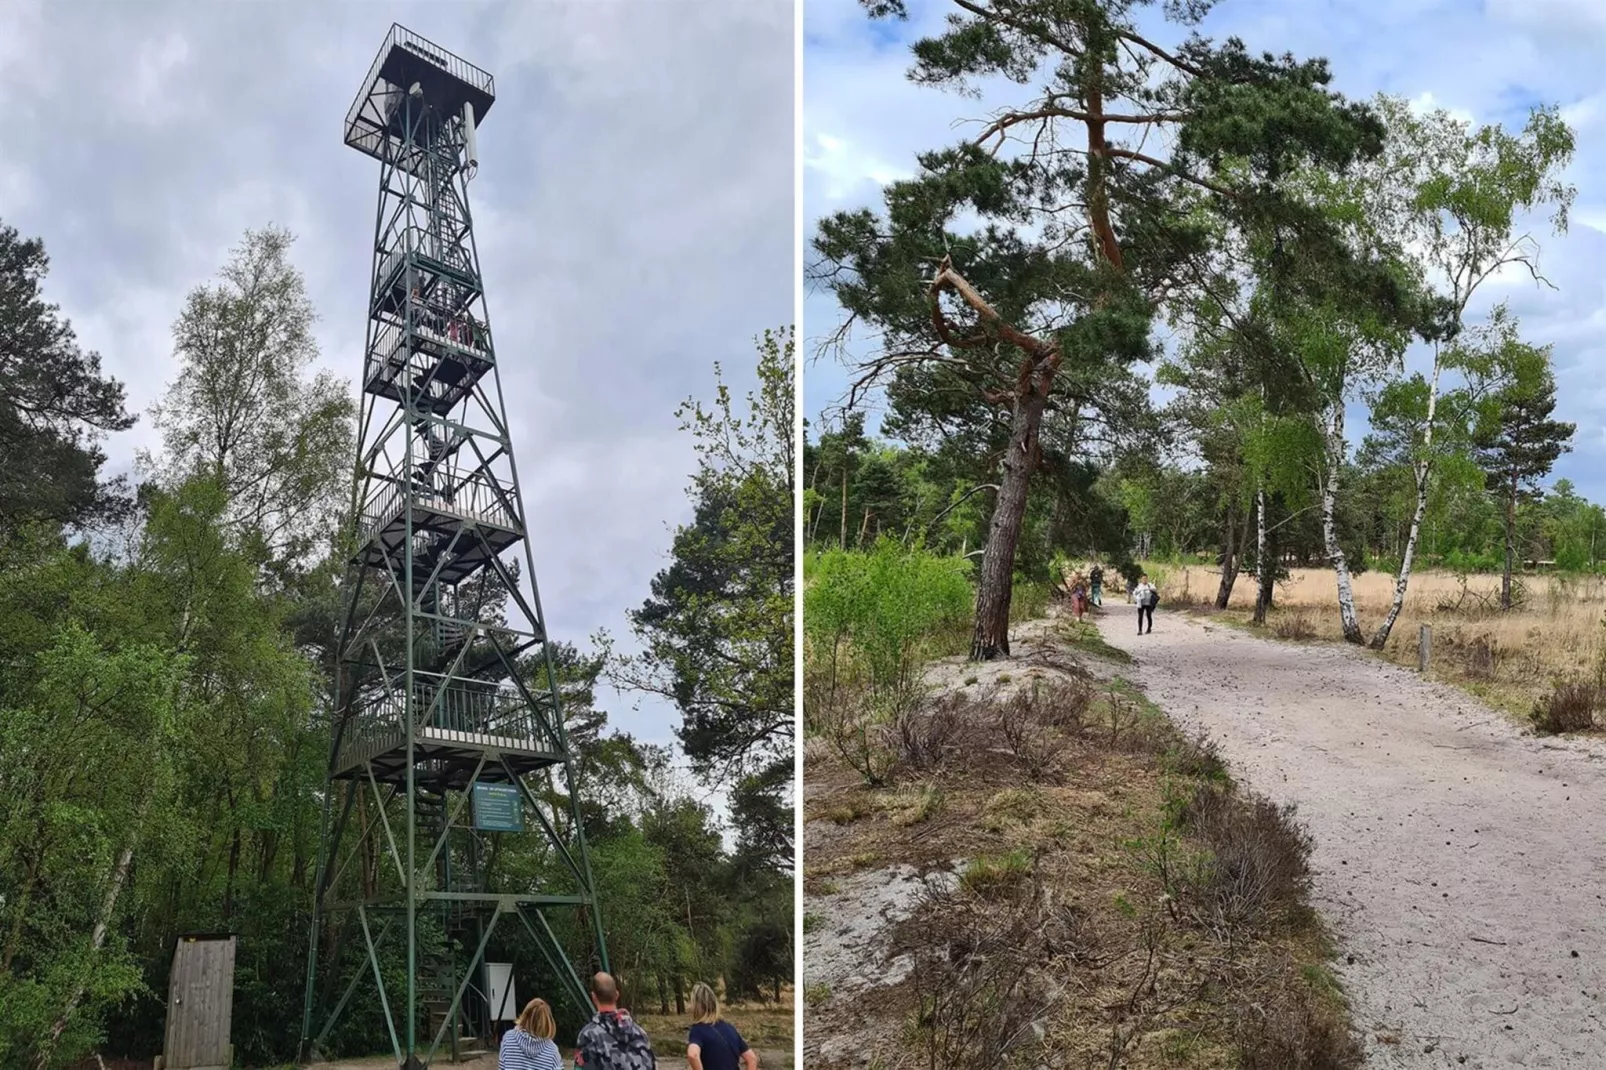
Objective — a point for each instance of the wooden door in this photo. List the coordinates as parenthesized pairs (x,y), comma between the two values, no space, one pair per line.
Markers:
(200,1004)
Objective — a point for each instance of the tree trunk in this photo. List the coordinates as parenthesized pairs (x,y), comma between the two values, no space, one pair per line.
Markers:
(663,995)
(1511,542)
(1232,560)
(29,879)
(991,637)
(680,995)
(1265,570)
(1333,460)
(97,938)
(234,868)
(814,485)
(842,534)
(1424,468)
(1229,558)
(1403,580)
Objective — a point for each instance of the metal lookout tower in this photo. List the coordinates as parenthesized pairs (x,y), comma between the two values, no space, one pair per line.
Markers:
(447,729)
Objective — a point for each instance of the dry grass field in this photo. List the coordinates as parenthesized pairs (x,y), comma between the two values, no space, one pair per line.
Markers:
(1510,659)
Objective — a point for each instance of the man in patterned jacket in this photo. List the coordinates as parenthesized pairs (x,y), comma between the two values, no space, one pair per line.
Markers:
(611,1040)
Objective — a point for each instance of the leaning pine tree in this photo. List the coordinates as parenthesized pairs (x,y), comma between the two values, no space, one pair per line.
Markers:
(1056,232)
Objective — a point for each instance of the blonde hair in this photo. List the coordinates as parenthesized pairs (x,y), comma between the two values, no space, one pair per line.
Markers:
(704,1004)
(536,1019)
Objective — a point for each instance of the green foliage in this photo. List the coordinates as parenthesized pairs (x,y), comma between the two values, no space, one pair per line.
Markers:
(888,604)
(163,740)
(242,412)
(717,632)
(55,404)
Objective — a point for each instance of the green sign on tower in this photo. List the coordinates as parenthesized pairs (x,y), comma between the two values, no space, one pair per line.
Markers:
(498,808)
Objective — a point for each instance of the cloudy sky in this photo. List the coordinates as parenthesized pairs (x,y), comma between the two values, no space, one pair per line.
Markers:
(633,208)
(1490,59)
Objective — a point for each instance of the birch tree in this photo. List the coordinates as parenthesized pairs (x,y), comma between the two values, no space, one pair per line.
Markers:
(1459,195)
(247,411)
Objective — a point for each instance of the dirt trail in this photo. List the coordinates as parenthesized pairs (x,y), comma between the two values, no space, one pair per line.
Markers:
(1462,862)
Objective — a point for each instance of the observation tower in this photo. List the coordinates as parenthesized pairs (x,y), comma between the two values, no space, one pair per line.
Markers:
(447,730)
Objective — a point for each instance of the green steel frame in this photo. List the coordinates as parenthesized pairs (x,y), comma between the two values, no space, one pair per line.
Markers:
(428,700)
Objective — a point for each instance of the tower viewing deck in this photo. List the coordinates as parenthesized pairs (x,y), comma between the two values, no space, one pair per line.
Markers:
(374,123)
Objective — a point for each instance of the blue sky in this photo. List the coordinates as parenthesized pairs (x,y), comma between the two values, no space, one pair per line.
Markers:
(634,218)
(1491,60)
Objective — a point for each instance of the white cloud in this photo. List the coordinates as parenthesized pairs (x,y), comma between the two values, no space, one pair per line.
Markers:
(1425,102)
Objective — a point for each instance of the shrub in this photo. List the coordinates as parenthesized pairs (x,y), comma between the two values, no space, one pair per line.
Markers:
(1297,1029)
(888,603)
(980,982)
(1295,626)
(1260,860)
(922,736)
(1028,600)
(1569,708)
(1036,750)
(1064,705)
(1196,756)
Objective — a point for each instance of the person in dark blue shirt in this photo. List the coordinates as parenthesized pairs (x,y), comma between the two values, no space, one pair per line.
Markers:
(713,1043)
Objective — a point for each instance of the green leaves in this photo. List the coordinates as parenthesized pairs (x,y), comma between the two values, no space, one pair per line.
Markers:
(55,403)
(717,630)
(887,603)
(244,412)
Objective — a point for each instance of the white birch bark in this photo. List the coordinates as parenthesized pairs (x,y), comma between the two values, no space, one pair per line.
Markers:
(1422,468)
(97,938)
(1332,462)
(1261,565)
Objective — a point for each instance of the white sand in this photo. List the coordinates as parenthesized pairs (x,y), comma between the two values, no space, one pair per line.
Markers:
(1462,862)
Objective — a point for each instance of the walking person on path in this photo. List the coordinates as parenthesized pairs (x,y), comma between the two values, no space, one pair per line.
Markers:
(612,1040)
(529,1045)
(1096,579)
(713,1043)
(1078,596)
(1147,597)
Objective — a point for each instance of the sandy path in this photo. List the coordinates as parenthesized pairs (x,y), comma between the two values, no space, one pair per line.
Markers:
(1462,863)
(771,1060)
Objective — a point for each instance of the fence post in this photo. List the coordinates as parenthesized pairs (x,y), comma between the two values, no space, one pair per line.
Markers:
(1424,648)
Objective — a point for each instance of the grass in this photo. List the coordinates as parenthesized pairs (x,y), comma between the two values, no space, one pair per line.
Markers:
(1513,660)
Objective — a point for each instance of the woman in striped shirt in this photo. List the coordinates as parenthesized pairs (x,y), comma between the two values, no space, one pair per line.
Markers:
(529,1045)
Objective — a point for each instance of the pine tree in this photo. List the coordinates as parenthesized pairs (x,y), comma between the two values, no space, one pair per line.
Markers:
(1518,448)
(55,403)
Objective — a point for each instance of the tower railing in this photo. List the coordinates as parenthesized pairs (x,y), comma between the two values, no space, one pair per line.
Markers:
(427,252)
(366,119)
(447,710)
(479,499)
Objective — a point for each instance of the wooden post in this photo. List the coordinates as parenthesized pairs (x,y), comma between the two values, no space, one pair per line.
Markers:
(1424,648)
